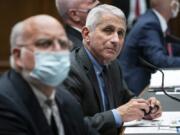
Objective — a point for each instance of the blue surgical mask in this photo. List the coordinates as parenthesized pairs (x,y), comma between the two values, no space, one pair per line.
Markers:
(51,68)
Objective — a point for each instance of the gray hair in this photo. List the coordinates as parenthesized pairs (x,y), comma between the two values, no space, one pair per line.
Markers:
(64,5)
(96,13)
(16,34)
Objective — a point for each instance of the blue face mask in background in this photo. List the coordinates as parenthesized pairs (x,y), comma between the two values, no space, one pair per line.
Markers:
(51,68)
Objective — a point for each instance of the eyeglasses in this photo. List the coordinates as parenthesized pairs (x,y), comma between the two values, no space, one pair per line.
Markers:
(46,43)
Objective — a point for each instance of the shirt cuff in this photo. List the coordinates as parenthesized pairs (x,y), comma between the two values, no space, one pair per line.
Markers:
(117,118)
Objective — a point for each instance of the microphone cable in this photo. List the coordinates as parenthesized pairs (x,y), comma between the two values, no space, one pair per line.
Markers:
(162,87)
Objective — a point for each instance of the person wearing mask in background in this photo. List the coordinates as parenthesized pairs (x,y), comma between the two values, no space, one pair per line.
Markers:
(29,103)
(73,14)
(146,41)
(95,78)
(132,9)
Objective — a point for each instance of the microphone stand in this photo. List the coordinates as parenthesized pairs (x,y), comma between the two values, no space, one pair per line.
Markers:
(151,66)
(162,87)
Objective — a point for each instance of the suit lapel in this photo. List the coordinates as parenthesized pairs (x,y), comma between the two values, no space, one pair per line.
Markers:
(88,67)
(64,116)
(30,105)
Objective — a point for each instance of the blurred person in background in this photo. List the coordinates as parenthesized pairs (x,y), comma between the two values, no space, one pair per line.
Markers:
(74,13)
(147,42)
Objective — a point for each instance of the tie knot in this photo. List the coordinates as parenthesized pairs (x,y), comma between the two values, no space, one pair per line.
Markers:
(49,102)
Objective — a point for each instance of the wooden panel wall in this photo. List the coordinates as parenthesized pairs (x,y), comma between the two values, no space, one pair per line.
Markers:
(12,11)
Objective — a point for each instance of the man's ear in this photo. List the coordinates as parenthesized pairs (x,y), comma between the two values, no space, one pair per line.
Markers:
(73,15)
(16,53)
(85,34)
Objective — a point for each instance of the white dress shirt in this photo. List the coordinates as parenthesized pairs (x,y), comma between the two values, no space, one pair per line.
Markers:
(162,21)
(48,111)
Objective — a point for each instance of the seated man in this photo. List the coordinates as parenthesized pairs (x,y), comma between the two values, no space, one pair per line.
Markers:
(74,13)
(95,78)
(29,104)
(146,41)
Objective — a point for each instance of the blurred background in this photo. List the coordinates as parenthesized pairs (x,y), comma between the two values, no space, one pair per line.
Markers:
(12,11)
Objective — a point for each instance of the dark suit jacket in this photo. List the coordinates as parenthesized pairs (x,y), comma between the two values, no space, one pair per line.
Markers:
(75,36)
(145,40)
(21,114)
(82,83)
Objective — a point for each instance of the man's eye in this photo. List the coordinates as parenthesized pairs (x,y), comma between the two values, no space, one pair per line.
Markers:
(44,44)
(63,44)
(108,30)
(121,33)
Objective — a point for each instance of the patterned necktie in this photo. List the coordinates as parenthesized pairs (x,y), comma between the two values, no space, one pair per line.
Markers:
(105,87)
(53,125)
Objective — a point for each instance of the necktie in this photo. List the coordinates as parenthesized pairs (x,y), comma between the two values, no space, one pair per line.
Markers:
(137,8)
(53,125)
(169,45)
(105,87)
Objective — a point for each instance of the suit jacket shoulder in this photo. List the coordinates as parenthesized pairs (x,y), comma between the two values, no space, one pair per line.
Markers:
(75,36)
(145,40)
(20,112)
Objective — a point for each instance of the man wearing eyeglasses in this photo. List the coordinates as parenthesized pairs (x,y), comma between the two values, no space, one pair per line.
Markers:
(74,13)
(29,103)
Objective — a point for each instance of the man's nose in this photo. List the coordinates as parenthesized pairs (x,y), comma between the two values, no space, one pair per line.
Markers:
(115,37)
(57,46)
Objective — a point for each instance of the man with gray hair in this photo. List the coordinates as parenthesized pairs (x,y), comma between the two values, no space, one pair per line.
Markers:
(95,78)
(29,102)
(74,13)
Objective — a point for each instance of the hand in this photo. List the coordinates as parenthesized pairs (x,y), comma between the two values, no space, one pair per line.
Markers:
(156,109)
(133,110)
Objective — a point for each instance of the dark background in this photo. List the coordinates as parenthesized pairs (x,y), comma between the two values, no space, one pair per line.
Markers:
(12,11)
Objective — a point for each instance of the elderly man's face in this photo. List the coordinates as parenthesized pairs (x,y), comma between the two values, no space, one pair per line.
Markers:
(47,36)
(106,41)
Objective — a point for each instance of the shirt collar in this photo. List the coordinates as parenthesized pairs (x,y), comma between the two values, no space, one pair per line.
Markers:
(41,97)
(162,21)
(96,65)
(76,28)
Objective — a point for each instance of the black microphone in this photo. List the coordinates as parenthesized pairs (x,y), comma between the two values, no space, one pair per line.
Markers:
(151,66)
(147,65)
(172,39)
